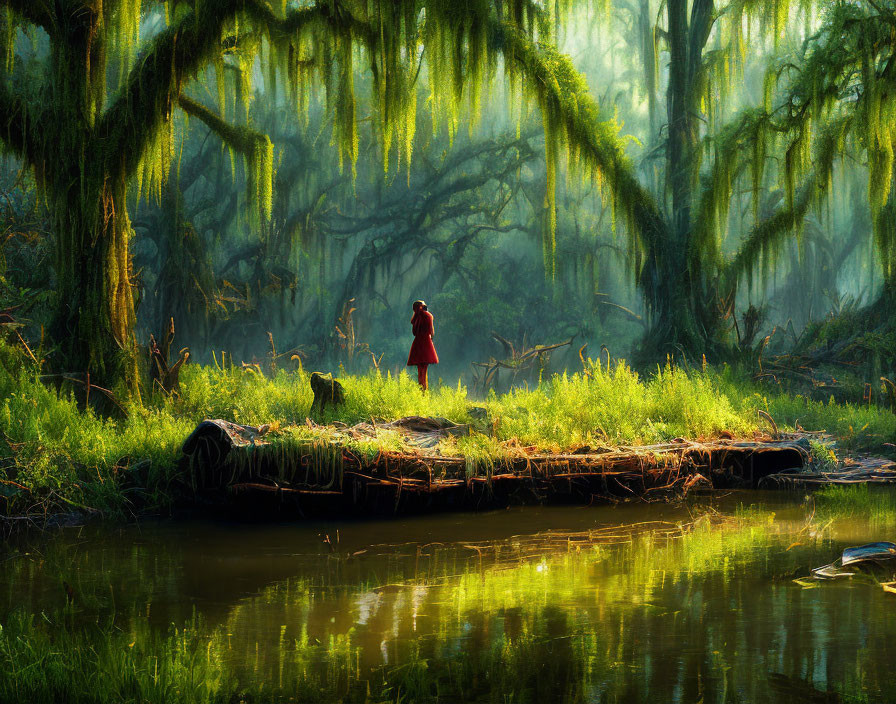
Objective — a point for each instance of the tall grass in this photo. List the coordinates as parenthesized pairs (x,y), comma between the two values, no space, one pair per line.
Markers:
(56,451)
(45,660)
(857,501)
(616,406)
(59,455)
(854,426)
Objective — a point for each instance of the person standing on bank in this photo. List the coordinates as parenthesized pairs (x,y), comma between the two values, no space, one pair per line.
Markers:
(423,352)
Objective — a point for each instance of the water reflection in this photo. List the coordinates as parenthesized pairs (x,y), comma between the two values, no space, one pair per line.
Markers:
(618,605)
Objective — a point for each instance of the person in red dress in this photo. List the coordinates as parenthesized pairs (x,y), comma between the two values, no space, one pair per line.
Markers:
(423,352)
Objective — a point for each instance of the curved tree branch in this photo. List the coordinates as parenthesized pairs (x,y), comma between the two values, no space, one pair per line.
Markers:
(155,83)
(765,234)
(240,137)
(595,140)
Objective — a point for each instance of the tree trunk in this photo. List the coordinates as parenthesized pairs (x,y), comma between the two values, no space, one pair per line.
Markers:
(682,132)
(681,309)
(84,181)
(94,320)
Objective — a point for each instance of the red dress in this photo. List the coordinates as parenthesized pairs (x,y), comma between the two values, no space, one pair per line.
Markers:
(422,349)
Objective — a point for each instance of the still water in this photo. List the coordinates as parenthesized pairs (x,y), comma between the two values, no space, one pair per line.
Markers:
(620,604)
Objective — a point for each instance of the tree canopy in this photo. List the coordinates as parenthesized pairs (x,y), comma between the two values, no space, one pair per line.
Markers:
(97,99)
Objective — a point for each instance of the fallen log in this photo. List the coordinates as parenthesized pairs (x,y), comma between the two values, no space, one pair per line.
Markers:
(320,475)
(856,470)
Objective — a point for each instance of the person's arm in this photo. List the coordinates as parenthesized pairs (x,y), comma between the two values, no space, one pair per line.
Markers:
(432,329)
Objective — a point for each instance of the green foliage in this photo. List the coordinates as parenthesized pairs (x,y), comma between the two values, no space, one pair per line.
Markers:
(824,459)
(45,661)
(855,426)
(57,453)
(615,406)
(838,87)
(860,336)
(593,146)
(61,456)
(387,397)
(240,395)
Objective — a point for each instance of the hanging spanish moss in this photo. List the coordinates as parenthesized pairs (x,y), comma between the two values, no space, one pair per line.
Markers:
(133,137)
(718,145)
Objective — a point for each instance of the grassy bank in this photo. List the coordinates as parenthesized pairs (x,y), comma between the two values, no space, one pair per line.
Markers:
(56,456)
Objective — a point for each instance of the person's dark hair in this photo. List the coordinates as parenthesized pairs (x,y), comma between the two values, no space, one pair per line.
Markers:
(422,305)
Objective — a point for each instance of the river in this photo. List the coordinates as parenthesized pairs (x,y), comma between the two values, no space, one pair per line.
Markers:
(628,603)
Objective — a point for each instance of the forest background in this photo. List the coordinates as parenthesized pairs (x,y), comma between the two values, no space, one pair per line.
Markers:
(679,179)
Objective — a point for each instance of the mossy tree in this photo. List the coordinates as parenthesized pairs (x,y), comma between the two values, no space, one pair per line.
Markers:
(86,142)
(100,118)
(99,123)
(678,260)
(835,105)
(828,93)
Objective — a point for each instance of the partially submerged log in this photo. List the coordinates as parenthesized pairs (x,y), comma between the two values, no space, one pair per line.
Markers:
(855,470)
(322,475)
(209,446)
